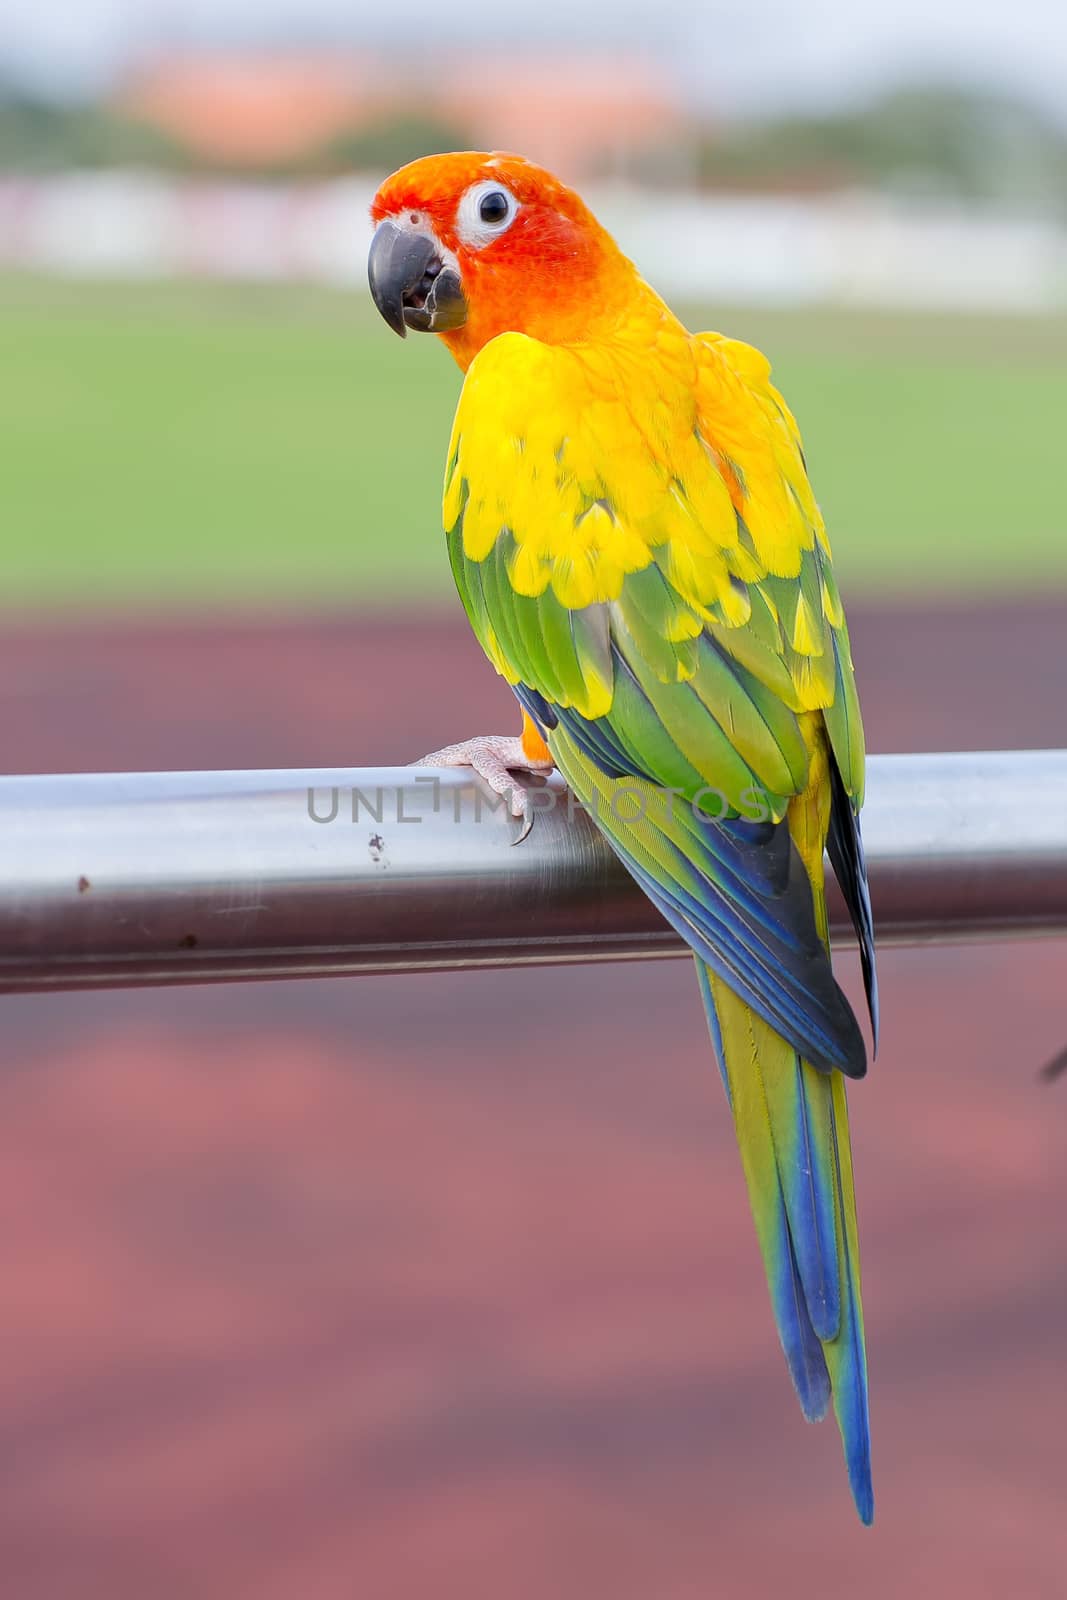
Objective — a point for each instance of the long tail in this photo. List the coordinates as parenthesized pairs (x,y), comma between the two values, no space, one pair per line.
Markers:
(792,1128)
(739,892)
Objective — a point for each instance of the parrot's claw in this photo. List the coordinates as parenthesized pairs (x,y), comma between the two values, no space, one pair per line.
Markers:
(527,824)
(494,757)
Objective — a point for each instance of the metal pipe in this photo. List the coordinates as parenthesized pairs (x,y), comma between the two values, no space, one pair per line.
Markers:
(151,878)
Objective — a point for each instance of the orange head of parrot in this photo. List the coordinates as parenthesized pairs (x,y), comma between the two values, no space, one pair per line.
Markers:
(472,245)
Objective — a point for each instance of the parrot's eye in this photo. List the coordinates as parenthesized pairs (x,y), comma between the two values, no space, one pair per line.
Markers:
(493,207)
(486,211)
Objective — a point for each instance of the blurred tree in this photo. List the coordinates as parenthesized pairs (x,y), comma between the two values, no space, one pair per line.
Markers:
(391,142)
(973,144)
(378,146)
(38,135)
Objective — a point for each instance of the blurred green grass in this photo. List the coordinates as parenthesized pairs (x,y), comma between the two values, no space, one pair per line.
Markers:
(178,444)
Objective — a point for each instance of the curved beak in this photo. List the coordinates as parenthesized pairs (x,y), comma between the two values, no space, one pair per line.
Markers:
(411,285)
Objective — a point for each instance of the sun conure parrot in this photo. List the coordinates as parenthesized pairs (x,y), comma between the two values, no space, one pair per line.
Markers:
(635,541)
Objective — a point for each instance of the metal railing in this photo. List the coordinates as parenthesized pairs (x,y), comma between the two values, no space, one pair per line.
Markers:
(151,878)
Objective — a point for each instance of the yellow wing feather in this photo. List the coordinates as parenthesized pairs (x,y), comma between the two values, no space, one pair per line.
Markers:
(595,462)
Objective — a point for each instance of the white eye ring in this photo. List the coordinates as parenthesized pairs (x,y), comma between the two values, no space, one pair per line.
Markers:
(471,229)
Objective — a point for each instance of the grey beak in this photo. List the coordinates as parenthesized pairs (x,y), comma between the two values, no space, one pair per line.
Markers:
(410,284)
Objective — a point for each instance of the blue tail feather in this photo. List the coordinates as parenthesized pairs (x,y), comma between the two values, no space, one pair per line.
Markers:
(798,1168)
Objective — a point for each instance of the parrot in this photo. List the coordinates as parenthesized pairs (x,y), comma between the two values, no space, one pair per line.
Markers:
(635,541)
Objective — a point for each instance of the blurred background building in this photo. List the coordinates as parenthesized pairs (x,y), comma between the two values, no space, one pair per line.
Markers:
(927,191)
(307,1291)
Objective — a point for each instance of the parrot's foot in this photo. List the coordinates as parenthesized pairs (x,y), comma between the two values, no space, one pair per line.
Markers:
(494,757)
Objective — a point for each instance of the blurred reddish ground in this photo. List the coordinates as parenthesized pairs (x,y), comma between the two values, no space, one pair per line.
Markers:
(308,1292)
